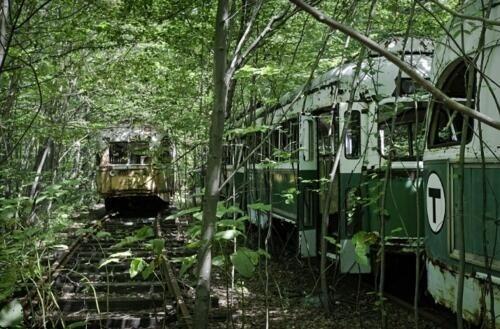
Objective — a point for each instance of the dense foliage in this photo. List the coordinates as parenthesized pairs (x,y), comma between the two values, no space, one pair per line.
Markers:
(75,67)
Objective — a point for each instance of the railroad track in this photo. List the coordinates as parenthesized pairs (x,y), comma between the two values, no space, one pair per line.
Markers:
(91,286)
(433,313)
(427,310)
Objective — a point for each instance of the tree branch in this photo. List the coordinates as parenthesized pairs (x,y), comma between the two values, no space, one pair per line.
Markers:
(459,15)
(369,43)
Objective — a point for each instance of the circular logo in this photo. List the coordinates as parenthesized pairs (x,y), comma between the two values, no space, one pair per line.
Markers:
(436,202)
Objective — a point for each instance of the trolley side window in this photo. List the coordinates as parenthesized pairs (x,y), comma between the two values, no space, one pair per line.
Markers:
(293,137)
(397,141)
(406,141)
(446,124)
(326,135)
(352,144)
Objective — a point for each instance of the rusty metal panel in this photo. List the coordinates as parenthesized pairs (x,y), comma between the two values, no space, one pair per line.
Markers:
(442,284)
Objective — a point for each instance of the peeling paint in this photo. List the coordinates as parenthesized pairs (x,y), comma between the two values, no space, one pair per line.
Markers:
(442,283)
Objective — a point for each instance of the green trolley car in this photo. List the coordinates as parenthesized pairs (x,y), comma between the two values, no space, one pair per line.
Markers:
(472,77)
(292,147)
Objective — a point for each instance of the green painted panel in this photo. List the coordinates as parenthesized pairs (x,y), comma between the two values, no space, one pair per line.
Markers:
(478,213)
(400,203)
(284,193)
(256,190)
(440,246)
(308,199)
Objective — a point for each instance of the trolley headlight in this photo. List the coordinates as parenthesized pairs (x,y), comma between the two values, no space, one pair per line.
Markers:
(112,173)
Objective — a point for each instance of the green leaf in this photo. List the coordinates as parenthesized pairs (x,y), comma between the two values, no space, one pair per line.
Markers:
(198,216)
(139,235)
(103,235)
(222,210)
(396,230)
(194,231)
(235,224)
(144,233)
(260,206)
(79,324)
(362,241)
(11,314)
(187,263)
(184,212)
(157,245)
(136,266)
(219,261)
(148,270)
(227,234)
(194,244)
(243,263)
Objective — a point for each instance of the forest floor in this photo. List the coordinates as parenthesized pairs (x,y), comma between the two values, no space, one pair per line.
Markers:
(292,304)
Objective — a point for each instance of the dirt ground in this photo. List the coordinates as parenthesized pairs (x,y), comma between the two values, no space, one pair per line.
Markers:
(292,301)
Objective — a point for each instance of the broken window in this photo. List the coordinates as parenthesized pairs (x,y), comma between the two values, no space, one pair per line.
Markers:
(129,153)
(406,141)
(139,153)
(118,153)
(326,135)
(457,82)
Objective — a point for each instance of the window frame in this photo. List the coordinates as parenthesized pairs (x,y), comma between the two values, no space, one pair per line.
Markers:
(436,108)
(353,116)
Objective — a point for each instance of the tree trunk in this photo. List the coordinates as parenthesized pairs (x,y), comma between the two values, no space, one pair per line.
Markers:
(214,163)
(4,22)
(39,169)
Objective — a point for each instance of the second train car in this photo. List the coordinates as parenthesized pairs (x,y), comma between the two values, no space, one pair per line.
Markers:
(298,139)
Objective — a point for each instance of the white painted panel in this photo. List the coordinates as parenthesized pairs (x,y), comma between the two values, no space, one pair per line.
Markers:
(352,165)
(435,202)
(307,143)
(257,217)
(307,242)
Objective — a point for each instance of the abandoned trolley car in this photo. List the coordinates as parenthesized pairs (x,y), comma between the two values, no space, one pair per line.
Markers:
(134,168)
(463,203)
(346,110)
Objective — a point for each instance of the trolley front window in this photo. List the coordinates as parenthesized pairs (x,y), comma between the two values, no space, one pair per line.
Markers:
(139,153)
(129,153)
(458,81)
(118,153)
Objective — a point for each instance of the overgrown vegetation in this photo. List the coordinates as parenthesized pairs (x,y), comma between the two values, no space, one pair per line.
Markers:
(68,69)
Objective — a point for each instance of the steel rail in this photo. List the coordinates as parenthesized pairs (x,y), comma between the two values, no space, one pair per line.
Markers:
(172,283)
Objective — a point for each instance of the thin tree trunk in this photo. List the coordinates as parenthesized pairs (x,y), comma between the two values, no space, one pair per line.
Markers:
(39,169)
(214,162)
(487,263)
(461,194)
(4,22)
